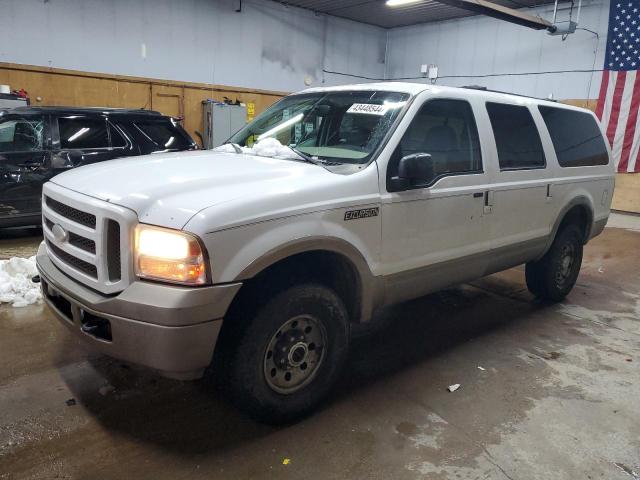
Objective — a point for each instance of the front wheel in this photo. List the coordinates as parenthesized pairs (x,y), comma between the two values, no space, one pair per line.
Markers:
(554,275)
(290,354)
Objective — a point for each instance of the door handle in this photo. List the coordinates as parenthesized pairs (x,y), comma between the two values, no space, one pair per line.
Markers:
(478,194)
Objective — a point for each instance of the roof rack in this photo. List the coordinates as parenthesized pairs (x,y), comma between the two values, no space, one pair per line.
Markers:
(485,89)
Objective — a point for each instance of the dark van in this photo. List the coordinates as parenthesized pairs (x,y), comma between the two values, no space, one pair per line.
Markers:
(37,143)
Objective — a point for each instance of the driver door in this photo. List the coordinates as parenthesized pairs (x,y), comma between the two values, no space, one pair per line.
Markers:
(23,165)
(436,233)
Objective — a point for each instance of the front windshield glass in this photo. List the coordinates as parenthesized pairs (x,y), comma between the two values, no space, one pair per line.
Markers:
(340,126)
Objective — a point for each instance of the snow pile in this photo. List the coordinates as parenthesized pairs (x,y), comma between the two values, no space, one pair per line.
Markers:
(16,286)
(267,147)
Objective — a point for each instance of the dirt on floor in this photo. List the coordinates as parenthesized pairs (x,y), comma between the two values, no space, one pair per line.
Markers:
(548,391)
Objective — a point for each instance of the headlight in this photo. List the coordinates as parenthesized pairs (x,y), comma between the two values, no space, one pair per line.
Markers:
(169,255)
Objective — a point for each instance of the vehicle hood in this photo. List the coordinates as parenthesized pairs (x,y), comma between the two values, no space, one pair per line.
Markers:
(170,188)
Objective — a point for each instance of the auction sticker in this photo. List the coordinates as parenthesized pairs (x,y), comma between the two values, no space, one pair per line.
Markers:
(368,108)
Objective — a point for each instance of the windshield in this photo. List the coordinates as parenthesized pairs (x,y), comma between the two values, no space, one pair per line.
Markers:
(344,127)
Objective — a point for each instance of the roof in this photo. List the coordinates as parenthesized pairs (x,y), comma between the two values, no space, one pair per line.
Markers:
(82,110)
(376,12)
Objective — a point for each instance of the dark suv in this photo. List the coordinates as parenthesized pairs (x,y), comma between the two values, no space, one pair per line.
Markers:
(37,143)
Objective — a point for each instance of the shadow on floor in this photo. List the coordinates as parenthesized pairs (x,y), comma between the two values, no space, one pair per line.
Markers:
(192,418)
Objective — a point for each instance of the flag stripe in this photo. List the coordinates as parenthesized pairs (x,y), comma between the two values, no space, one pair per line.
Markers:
(608,99)
(603,94)
(630,128)
(615,107)
(623,115)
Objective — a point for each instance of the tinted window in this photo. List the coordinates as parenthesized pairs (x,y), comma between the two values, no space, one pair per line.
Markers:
(83,133)
(21,134)
(163,134)
(576,137)
(517,137)
(445,129)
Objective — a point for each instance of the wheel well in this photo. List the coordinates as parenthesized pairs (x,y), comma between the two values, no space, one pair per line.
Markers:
(328,268)
(578,215)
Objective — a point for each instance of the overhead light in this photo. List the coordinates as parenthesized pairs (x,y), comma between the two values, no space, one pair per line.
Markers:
(397,3)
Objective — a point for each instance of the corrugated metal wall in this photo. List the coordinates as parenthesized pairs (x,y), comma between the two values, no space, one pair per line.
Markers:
(480,46)
(267,46)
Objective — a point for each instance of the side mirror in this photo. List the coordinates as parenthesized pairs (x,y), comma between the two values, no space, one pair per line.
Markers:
(413,169)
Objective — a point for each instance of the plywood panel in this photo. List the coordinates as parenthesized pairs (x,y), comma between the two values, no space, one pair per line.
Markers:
(626,196)
(73,88)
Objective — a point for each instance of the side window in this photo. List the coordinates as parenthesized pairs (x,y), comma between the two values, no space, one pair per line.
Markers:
(117,140)
(576,137)
(163,134)
(83,133)
(517,138)
(445,129)
(21,134)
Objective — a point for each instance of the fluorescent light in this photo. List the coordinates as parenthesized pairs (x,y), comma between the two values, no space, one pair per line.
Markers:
(78,134)
(397,3)
(281,126)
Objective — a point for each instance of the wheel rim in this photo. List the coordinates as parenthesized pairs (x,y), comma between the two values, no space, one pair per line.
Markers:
(294,354)
(567,260)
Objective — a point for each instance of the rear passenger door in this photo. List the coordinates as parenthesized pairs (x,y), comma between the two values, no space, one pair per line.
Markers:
(81,140)
(517,202)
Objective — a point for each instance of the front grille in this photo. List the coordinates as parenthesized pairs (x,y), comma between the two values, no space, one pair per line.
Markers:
(96,240)
(73,214)
(82,243)
(80,265)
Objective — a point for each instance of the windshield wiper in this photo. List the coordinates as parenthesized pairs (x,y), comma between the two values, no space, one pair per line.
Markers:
(235,146)
(305,157)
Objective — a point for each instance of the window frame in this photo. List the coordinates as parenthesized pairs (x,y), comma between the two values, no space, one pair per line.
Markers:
(553,145)
(437,178)
(111,125)
(535,125)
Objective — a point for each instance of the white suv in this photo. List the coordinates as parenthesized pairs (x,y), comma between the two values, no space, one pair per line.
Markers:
(254,260)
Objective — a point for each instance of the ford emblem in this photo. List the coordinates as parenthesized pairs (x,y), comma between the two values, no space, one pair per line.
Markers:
(59,233)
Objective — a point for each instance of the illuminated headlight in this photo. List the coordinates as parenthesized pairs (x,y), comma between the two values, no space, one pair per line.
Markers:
(169,255)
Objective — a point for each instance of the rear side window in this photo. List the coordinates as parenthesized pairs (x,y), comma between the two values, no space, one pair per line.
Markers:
(576,137)
(83,133)
(163,134)
(517,138)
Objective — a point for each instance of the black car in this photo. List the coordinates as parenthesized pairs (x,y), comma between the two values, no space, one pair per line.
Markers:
(37,143)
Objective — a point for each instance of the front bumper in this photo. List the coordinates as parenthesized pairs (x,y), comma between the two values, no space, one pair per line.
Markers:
(168,328)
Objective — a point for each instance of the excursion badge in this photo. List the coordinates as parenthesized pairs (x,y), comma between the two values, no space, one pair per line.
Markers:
(362,213)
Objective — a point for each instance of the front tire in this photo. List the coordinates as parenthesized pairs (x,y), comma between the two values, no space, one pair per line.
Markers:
(554,275)
(289,354)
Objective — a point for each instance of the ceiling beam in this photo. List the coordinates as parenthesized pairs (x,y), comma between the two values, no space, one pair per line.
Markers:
(502,13)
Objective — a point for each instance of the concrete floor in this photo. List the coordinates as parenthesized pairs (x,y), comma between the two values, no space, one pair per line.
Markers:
(557,397)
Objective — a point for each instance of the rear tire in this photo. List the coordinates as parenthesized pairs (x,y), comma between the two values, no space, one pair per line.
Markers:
(289,354)
(554,275)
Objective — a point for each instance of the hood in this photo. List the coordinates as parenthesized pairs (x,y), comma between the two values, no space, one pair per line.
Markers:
(170,188)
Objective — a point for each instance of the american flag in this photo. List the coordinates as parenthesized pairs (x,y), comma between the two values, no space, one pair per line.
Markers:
(620,89)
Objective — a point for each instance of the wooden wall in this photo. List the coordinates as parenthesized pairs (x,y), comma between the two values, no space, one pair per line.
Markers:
(73,88)
(626,197)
